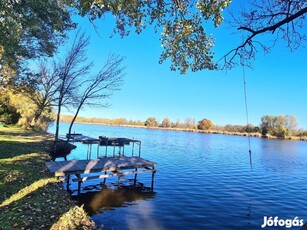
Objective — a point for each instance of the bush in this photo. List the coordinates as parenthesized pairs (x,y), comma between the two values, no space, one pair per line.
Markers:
(8,114)
(205,124)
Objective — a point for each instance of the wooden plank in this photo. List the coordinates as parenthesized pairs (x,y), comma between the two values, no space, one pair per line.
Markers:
(85,178)
(110,166)
(82,138)
(61,168)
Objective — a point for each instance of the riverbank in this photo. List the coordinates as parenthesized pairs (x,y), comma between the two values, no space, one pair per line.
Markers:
(252,134)
(30,197)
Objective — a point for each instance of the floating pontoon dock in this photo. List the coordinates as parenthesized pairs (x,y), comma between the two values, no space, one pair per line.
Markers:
(103,167)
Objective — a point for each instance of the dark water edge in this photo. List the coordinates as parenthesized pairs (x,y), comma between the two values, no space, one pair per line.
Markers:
(204,181)
(111,196)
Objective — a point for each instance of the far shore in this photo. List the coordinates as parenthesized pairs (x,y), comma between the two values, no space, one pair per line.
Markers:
(253,134)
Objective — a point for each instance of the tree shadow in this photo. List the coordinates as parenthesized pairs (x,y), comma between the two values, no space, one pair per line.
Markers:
(14,132)
(41,207)
(21,164)
(30,197)
(9,149)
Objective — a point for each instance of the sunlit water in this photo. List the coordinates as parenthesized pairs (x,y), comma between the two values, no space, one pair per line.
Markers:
(204,181)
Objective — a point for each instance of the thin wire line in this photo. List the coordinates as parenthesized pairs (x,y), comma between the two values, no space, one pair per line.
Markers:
(247,121)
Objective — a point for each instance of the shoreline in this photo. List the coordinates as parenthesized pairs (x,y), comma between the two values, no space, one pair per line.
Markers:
(246,134)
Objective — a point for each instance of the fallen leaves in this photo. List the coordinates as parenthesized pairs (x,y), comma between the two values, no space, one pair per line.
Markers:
(30,198)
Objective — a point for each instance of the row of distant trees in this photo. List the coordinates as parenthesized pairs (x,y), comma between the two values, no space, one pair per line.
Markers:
(279,126)
(105,121)
(189,123)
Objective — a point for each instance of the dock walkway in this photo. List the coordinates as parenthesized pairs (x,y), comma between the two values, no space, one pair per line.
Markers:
(105,167)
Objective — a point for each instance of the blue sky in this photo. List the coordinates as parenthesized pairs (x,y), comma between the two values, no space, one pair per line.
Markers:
(276,85)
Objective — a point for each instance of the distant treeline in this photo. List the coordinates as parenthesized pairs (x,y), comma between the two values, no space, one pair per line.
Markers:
(271,126)
(104,121)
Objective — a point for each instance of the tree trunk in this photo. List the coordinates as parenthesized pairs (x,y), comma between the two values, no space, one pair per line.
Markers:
(56,137)
(74,119)
(38,114)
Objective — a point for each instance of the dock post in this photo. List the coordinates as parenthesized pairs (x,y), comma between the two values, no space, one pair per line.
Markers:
(104,179)
(153,178)
(79,183)
(135,175)
(118,181)
(90,153)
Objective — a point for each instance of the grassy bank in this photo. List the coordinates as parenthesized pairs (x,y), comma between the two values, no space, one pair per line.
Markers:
(30,197)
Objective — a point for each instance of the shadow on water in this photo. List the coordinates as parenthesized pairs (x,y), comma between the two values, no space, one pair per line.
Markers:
(113,196)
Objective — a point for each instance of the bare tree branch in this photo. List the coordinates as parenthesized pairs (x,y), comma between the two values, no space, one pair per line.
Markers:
(287,17)
(70,71)
(101,86)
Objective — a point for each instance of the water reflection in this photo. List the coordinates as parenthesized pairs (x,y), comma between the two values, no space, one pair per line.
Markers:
(112,196)
(279,155)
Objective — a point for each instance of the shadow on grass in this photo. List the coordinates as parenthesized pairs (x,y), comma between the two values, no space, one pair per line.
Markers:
(9,149)
(30,197)
(21,164)
(42,205)
(22,161)
(14,131)
(21,171)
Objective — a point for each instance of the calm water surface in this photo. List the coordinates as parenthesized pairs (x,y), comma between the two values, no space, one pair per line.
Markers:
(204,181)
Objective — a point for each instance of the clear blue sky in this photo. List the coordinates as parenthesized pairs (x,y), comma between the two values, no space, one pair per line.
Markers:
(276,85)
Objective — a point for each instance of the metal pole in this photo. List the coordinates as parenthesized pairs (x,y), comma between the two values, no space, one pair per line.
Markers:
(135,176)
(132,147)
(153,178)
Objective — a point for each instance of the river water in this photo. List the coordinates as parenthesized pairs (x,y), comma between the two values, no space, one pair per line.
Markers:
(204,181)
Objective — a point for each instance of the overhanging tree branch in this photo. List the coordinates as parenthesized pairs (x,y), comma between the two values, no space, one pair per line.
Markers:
(273,27)
(286,16)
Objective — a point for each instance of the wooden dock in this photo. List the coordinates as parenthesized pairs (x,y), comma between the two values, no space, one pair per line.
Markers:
(85,140)
(114,142)
(103,167)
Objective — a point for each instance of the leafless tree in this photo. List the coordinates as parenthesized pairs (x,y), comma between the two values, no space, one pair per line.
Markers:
(69,83)
(45,89)
(96,89)
(70,72)
(284,19)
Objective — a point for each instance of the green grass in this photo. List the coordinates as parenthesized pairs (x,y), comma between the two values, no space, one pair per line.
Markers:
(30,197)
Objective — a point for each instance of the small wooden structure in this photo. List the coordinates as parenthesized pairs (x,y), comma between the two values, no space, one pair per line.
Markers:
(119,142)
(103,167)
(115,142)
(76,137)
